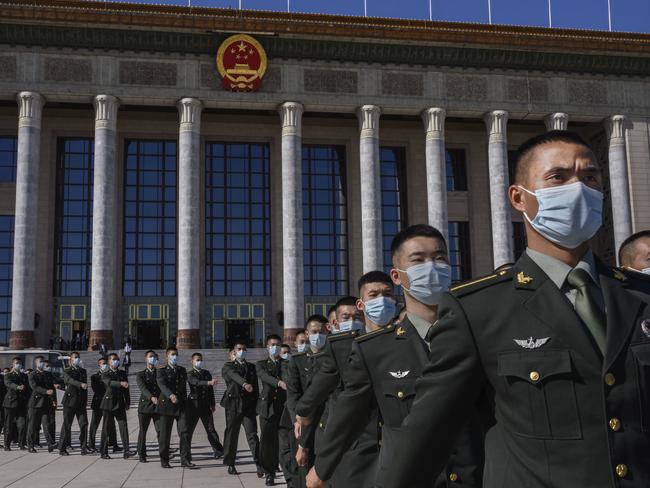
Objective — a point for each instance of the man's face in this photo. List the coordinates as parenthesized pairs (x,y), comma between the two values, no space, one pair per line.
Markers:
(240,347)
(345,313)
(314,327)
(300,339)
(551,165)
(101,363)
(273,342)
(149,357)
(640,255)
(331,320)
(285,350)
(415,251)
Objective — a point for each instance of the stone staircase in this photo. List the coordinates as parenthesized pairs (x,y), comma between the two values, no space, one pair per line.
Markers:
(213,360)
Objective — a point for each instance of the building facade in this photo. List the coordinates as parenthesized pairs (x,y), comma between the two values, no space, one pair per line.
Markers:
(139,197)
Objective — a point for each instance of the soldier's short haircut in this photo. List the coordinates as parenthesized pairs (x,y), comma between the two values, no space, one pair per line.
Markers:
(113,355)
(317,318)
(103,358)
(16,358)
(342,302)
(525,151)
(39,357)
(331,309)
(626,251)
(375,277)
(304,332)
(271,337)
(150,351)
(171,349)
(197,355)
(412,231)
(285,345)
(238,343)
(75,353)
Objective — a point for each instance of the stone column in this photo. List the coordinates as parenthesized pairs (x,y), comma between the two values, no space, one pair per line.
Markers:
(102,296)
(292,236)
(25,228)
(618,179)
(434,127)
(189,242)
(370,183)
(556,121)
(502,245)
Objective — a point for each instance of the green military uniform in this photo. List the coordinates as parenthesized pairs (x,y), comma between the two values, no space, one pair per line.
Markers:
(288,445)
(147,410)
(74,402)
(42,407)
(172,381)
(114,404)
(15,408)
(382,370)
(358,465)
(200,405)
(269,409)
(99,388)
(567,412)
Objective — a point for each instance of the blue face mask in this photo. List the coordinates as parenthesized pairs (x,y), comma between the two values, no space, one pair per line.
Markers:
(274,350)
(317,340)
(301,347)
(198,364)
(568,215)
(241,354)
(380,310)
(152,360)
(18,367)
(103,367)
(428,281)
(76,361)
(285,356)
(40,365)
(173,359)
(349,325)
(115,363)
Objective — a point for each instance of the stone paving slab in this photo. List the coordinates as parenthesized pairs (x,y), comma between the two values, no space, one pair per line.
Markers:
(19,469)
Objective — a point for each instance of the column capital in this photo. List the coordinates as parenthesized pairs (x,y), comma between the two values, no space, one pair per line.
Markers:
(556,121)
(30,105)
(615,126)
(291,117)
(190,110)
(368,116)
(106,111)
(434,122)
(496,122)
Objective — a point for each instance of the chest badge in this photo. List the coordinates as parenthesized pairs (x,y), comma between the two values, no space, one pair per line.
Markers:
(619,275)
(645,327)
(531,343)
(399,374)
(522,279)
(400,331)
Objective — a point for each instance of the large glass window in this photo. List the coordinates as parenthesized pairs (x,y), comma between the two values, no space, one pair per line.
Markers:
(456,169)
(150,218)
(6,273)
(393,197)
(459,251)
(8,155)
(324,220)
(237,220)
(74,213)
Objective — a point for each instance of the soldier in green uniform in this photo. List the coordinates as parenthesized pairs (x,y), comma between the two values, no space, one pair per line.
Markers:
(74,402)
(15,404)
(201,403)
(634,254)
(559,340)
(99,389)
(42,404)
(148,404)
(115,403)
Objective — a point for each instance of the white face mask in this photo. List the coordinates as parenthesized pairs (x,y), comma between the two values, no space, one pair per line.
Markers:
(646,271)
(349,325)
(285,356)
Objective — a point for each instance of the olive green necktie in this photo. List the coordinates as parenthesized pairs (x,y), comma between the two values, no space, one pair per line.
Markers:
(587,308)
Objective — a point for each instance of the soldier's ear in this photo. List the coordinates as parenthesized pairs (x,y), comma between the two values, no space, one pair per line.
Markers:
(517,198)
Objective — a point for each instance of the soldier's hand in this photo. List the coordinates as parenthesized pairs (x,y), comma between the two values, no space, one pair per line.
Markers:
(173,399)
(154,400)
(124,384)
(20,387)
(248,387)
(302,456)
(213,408)
(304,421)
(84,386)
(313,481)
(57,386)
(212,382)
(50,392)
(297,429)
(282,384)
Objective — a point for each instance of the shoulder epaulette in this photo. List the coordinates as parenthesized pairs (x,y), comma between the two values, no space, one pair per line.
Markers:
(375,333)
(297,354)
(471,286)
(318,354)
(342,335)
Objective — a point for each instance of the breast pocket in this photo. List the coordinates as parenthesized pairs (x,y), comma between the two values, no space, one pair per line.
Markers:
(539,398)
(398,396)
(641,355)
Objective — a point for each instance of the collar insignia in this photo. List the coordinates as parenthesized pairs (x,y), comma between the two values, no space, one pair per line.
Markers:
(399,374)
(619,275)
(645,327)
(531,343)
(400,331)
(522,279)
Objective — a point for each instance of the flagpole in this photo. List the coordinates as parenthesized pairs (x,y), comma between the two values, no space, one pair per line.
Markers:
(609,14)
(490,12)
(550,17)
(365,8)
(430,10)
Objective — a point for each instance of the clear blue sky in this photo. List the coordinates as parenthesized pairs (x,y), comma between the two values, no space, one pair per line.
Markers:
(627,15)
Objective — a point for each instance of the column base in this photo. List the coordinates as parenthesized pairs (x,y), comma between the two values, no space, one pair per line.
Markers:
(188,339)
(100,337)
(21,339)
(289,335)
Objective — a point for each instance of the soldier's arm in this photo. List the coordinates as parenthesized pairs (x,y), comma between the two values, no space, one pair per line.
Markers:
(161,379)
(445,396)
(322,385)
(110,382)
(294,387)
(352,414)
(142,385)
(69,380)
(265,377)
(10,383)
(95,383)
(35,386)
(194,381)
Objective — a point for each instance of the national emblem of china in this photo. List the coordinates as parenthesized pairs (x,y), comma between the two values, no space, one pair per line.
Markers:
(241,62)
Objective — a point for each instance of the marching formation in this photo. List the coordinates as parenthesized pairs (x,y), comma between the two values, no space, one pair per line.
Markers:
(537,375)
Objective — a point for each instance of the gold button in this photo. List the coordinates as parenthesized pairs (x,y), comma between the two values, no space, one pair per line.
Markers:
(453,477)
(400,394)
(321,425)
(381,424)
(610,379)
(621,470)
(534,376)
(614,424)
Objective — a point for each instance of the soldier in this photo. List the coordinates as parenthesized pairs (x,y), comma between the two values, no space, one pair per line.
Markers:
(15,404)
(358,465)
(172,380)
(302,341)
(634,254)
(560,341)
(147,406)
(75,400)
(270,406)
(240,402)
(42,405)
(115,403)
(3,392)
(201,403)
(99,389)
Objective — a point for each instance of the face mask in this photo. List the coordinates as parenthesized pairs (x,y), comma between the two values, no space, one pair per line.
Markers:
(428,281)
(76,361)
(274,350)
(317,340)
(285,356)
(18,367)
(349,325)
(115,363)
(198,364)
(173,359)
(103,367)
(646,271)
(152,360)
(568,215)
(240,354)
(40,365)
(380,310)
(301,347)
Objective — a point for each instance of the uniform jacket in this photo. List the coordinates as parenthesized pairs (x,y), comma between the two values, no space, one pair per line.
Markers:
(564,415)
(201,395)
(115,397)
(3,389)
(272,399)
(39,383)
(235,399)
(15,398)
(99,388)
(171,381)
(75,396)
(148,385)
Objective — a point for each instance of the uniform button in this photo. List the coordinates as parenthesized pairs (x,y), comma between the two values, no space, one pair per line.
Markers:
(321,425)
(381,424)
(610,379)
(614,424)
(534,376)
(400,394)
(453,477)
(621,470)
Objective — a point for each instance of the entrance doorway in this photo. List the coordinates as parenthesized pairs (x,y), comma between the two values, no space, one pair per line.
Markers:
(239,331)
(149,334)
